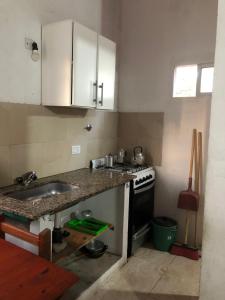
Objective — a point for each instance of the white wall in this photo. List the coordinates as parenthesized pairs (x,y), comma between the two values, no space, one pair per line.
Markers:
(155,37)
(213,264)
(20,77)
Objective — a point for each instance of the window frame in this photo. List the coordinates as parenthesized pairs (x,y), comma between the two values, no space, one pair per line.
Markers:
(200,66)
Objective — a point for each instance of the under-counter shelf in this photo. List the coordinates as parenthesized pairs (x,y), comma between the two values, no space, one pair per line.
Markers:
(78,239)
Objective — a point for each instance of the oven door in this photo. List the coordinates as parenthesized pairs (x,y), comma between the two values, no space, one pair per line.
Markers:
(140,211)
(143,205)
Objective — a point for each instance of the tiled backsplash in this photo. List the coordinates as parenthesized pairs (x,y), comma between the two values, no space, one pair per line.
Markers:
(145,129)
(39,138)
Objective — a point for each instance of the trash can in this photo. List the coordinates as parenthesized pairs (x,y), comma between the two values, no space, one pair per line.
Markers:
(164,233)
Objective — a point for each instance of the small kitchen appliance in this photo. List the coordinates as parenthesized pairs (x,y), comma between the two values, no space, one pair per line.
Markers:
(138,158)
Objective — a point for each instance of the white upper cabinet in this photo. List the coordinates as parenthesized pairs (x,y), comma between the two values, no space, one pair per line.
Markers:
(84,66)
(57,63)
(78,67)
(106,73)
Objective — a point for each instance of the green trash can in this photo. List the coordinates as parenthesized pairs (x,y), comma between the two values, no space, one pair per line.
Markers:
(164,233)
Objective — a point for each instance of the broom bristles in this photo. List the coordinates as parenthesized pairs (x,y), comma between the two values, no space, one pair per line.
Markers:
(185,251)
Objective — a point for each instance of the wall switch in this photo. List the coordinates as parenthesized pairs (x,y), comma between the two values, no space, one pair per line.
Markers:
(75,150)
(28,43)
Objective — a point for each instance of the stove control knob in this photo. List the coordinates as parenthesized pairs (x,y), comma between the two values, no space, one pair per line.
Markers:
(137,182)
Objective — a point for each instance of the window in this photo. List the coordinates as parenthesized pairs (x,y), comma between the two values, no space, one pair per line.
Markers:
(192,80)
(185,81)
(207,76)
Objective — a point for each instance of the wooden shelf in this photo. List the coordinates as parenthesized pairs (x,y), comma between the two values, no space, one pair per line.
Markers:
(78,239)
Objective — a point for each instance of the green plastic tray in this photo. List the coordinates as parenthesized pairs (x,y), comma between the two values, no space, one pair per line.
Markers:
(90,225)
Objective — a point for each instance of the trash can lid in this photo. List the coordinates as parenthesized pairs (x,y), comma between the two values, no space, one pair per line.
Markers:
(165,222)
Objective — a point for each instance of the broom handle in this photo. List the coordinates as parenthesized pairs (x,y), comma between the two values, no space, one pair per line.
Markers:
(192,152)
(196,155)
(199,183)
(200,162)
(187,227)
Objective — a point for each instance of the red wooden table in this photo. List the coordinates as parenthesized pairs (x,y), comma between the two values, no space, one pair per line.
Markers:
(24,275)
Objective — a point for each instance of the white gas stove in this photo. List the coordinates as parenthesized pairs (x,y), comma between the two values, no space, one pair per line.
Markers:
(144,174)
(141,204)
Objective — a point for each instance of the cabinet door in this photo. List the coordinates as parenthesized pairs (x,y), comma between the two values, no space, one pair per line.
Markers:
(84,67)
(57,63)
(106,73)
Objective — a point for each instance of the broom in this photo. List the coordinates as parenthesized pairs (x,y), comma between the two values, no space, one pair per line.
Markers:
(189,200)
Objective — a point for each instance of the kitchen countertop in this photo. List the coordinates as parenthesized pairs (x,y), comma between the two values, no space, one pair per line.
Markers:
(89,183)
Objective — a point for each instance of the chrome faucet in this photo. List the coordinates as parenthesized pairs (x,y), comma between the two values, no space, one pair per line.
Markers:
(27,178)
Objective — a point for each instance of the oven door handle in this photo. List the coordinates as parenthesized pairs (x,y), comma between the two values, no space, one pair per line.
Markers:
(141,233)
(144,189)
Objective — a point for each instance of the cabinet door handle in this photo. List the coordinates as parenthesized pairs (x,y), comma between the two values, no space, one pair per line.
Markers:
(101,86)
(95,92)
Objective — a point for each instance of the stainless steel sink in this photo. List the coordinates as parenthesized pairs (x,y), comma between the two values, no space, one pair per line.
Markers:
(43,191)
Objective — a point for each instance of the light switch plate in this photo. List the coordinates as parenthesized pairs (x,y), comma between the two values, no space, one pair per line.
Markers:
(76,150)
(28,43)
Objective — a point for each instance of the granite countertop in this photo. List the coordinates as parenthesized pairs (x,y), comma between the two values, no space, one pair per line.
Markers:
(88,183)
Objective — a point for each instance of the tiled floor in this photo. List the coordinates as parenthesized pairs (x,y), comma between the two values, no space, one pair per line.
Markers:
(88,270)
(153,275)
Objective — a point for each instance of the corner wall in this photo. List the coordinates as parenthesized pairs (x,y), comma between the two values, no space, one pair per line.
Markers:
(213,260)
(155,37)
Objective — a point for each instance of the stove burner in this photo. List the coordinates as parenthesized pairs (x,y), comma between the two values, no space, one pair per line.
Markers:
(128,168)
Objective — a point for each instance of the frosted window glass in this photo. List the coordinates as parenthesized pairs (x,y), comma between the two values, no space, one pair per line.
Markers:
(185,81)
(207,80)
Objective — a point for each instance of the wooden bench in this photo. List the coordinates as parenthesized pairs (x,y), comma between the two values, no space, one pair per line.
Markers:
(24,275)
(42,241)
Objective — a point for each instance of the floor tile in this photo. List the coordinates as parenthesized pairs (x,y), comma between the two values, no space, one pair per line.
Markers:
(120,295)
(157,257)
(87,269)
(141,274)
(181,278)
(152,275)
(143,252)
(173,297)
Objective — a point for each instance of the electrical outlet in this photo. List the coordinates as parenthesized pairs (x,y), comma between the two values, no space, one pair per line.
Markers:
(75,150)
